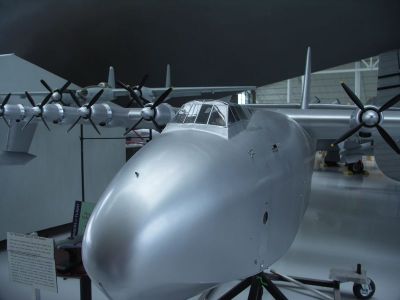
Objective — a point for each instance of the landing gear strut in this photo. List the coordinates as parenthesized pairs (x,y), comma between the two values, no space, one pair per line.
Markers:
(356,168)
(363,291)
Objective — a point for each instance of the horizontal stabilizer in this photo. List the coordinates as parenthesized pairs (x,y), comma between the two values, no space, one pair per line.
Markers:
(199,91)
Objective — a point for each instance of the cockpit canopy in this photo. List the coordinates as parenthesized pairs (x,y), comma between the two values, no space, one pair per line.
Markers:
(213,116)
(217,113)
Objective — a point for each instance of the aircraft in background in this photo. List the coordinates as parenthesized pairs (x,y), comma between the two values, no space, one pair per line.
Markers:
(64,92)
(219,195)
(142,95)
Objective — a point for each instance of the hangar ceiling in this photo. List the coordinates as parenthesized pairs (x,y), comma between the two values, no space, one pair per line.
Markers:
(207,42)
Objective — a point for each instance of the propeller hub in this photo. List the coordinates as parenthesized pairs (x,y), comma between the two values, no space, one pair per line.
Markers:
(147,113)
(370,117)
(137,91)
(56,96)
(83,93)
(37,111)
(84,111)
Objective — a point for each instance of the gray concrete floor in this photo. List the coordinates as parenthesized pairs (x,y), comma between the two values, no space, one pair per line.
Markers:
(350,220)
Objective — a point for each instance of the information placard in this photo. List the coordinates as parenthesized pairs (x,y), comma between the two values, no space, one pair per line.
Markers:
(31,261)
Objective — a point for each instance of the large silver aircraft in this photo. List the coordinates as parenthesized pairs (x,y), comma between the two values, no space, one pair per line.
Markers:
(219,195)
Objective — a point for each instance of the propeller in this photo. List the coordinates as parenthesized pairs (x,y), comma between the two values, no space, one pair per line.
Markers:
(5,101)
(56,94)
(135,92)
(149,112)
(39,112)
(88,111)
(369,117)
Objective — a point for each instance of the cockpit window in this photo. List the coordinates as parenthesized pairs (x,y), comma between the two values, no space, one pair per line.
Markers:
(231,117)
(239,113)
(204,114)
(192,114)
(216,117)
(182,113)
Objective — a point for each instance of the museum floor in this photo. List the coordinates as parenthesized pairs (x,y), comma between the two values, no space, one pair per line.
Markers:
(350,220)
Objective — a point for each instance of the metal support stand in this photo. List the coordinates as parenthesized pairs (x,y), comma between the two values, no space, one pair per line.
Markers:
(257,284)
(86,288)
(82,165)
(263,281)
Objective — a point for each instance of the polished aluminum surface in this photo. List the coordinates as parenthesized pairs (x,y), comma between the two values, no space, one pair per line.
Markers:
(188,210)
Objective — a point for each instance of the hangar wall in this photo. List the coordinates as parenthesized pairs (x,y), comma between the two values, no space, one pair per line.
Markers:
(41,194)
(361,76)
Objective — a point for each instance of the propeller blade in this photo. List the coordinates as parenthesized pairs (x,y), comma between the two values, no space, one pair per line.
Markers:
(134,97)
(29,97)
(65,86)
(143,81)
(95,98)
(27,123)
(5,101)
(134,126)
(388,139)
(73,125)
(161,98)
(5,120)
(74,98)
(145,100)
(45,100)
(123,85)
(353,96)
(158,127)
(135,100)
(390,103)
(94,126)
(45,123)
(347,134)
(46,85)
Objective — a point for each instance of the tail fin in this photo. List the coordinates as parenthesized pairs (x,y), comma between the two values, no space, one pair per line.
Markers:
(111,78)
(168,77)
(305,96)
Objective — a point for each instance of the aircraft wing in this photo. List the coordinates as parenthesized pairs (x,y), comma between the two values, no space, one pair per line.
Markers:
(328,125)
(198,91)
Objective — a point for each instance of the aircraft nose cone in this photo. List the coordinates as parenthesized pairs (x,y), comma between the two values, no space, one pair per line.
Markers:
(132,247)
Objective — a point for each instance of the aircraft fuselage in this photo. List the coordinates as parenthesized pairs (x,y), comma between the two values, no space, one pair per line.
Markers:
(193,209)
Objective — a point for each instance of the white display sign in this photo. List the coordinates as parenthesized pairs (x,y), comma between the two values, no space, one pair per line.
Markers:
(31,261)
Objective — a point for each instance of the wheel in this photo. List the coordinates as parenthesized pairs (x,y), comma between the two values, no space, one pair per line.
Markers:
(356,168)
(364,291)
